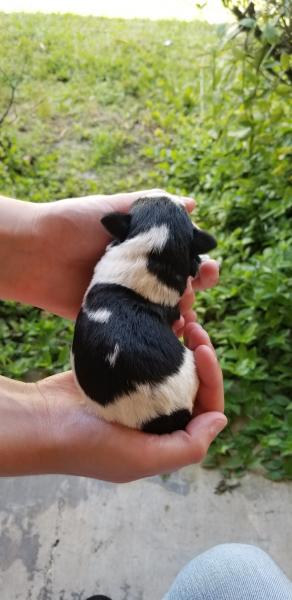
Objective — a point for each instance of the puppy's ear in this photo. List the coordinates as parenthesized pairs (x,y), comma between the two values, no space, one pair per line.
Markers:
(117,224)
(203,241)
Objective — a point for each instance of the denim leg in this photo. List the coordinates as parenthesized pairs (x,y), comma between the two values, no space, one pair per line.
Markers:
(231,572)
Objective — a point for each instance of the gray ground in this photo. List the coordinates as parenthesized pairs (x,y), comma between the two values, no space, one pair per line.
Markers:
(64,538)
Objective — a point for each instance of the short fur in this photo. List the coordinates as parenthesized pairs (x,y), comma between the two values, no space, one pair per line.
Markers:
(130,366)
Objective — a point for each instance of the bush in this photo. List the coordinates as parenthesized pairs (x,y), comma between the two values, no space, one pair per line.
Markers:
(237,161)
(268,29)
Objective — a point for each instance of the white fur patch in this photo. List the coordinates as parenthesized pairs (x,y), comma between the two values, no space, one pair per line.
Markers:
(126,265)
(204,257)
(101,315)
(150,401)
(112,358)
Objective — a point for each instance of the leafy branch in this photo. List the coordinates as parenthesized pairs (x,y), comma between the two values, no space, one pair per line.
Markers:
(269,23)
(13,85)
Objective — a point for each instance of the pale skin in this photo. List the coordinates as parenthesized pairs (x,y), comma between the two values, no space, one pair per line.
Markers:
(47,253)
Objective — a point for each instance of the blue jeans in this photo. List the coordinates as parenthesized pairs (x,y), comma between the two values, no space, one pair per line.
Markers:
(231,572)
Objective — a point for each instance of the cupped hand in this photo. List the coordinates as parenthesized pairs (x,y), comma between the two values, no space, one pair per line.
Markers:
(71,240)
(207,277)
(88,446)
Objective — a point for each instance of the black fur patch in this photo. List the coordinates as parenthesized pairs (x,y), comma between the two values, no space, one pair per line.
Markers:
(117,224)
(148,350)
(99,597)
(172,265)
(179,258)
(168,423)
(203,241)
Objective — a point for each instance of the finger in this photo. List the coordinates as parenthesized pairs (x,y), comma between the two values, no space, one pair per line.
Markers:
(195,336)
(208,275)
(190,203)
(178,326)
(180,332)
(210,395)
(188,298)
(176,450)
(190,317)
(124,202)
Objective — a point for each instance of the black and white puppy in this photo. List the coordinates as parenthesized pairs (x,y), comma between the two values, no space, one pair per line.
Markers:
(129,364)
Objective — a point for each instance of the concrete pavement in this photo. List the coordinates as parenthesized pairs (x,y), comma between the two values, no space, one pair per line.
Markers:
(65,538)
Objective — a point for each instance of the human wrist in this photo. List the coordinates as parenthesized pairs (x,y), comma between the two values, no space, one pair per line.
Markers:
(27,443)
(19,248)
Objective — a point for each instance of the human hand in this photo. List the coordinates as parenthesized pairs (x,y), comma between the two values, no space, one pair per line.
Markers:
(86,445)
(48,251)
(72,239)
(207,277)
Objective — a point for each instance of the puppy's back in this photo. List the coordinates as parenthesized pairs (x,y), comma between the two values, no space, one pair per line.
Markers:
(128,361)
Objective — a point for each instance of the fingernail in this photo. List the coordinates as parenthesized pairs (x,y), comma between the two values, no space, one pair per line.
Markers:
(189,285)
(218,426)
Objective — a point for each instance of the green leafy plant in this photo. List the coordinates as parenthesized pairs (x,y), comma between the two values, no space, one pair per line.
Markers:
(234,153)
(267,25)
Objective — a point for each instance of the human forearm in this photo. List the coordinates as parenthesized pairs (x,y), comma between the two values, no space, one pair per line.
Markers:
(19,249)
(26,444)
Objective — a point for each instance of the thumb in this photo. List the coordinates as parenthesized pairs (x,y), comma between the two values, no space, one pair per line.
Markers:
(186,447)
(204,429)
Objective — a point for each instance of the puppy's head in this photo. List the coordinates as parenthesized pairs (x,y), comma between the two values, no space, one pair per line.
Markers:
(164,231)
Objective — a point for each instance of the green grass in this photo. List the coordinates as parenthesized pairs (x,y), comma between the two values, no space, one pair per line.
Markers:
(93,93)
(105,105)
